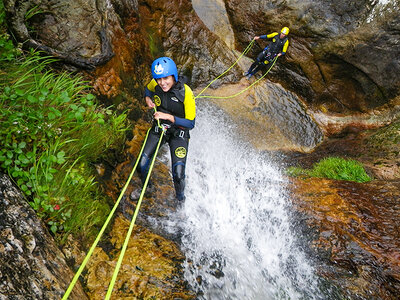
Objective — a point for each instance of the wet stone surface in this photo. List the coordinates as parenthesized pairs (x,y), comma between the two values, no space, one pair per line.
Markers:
(31,265)
(353,230)
(378,150)
(150,269)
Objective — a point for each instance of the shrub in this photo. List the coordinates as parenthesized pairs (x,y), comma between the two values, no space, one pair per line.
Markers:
(51,132)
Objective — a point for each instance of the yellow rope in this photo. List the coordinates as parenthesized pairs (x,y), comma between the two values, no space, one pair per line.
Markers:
(89,254)
(240,56)
(242,91)
(128,235)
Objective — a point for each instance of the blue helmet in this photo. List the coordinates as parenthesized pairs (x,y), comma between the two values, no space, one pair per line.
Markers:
(163,67)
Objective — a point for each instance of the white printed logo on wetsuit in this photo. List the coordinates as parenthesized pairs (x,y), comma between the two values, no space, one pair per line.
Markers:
(174,99)
(158,69)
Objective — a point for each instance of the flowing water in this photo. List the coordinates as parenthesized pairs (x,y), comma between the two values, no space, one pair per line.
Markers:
(237,234)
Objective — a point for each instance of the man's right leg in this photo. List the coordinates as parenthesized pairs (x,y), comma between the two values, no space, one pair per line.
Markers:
(256,65)
(251,69)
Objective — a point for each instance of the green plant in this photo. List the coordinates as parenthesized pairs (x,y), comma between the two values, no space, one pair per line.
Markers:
(51,131)
(7,50)
(333,168)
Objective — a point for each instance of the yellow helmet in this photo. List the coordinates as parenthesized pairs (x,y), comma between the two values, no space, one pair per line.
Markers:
(285,30)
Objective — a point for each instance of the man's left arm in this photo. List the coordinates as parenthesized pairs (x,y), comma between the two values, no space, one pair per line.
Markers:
(190,110)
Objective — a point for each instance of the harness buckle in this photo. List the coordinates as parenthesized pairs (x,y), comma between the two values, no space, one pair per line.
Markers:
(181,134)
(165,126)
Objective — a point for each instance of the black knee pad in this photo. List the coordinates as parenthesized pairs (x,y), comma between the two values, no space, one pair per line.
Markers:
(179,178)
(179,172)
(143,166)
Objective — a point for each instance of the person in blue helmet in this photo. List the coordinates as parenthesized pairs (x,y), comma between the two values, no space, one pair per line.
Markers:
(278,47)
(176,111)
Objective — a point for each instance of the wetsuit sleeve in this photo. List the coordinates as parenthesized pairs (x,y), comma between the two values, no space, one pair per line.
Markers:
(285,46)
(268,36)
(150,88)
(190,110)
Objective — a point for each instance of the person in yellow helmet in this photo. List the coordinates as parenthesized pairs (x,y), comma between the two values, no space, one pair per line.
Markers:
(278,47)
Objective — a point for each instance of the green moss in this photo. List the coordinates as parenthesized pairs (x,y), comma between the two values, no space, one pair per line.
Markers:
(155,43)
(333,168)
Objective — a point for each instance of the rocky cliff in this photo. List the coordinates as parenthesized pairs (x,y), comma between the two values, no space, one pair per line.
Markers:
(343,57)
(340,75)
(32,266)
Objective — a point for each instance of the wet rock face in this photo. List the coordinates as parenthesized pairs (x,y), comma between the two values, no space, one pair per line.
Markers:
(355,229)
(181,35)
(121,38)
(74,31)
(31,265)
(151,268)
(287,113)
(214,16)
(268,116)
(342,55)
(74,22)
(378,150)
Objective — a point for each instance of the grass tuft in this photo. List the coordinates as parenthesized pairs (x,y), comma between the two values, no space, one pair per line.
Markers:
(333,168)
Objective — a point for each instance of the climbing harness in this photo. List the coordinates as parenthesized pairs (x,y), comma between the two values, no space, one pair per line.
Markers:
(89,254)
(163,129)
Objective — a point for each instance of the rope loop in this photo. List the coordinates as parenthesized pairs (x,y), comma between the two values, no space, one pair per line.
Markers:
(242,91)
(240,56)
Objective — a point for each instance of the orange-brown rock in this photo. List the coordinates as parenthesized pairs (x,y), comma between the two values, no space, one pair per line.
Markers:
(355,228)
(150,268)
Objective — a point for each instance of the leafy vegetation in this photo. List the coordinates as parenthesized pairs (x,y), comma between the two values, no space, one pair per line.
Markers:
(334,168)
(51,132)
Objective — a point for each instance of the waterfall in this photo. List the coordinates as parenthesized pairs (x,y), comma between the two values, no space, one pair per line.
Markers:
(236,231)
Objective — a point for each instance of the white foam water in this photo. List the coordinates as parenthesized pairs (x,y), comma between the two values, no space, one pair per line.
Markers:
(237,234)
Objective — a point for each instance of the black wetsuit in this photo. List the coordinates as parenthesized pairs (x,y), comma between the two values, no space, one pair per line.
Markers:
(177,134)
(265,58)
